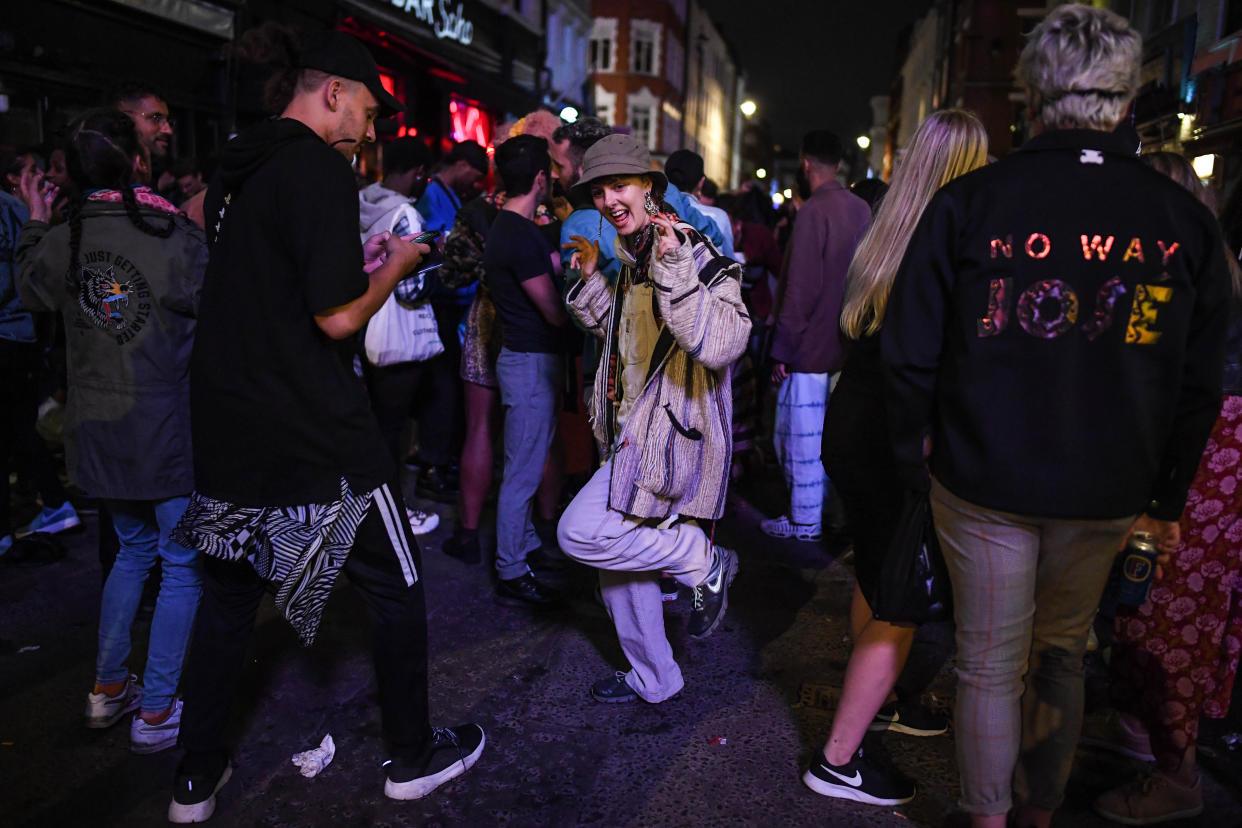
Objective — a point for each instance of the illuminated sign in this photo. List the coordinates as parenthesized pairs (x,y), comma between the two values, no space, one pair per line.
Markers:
(470,123)
(443,19)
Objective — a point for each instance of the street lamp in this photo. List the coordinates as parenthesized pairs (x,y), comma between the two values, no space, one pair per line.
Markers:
(864,142)
(569,114)
(761,173)
(749,108)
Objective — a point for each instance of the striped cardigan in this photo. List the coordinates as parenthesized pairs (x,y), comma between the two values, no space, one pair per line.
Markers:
(672,457)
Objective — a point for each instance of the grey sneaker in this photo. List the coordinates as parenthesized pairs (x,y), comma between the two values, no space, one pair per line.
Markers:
(1151,799)
(145,737)
(103,710)
(710,599)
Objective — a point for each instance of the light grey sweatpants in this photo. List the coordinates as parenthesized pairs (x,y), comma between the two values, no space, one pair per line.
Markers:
(630,555)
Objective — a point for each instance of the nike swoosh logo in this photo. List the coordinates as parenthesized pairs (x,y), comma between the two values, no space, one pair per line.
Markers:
(853,781)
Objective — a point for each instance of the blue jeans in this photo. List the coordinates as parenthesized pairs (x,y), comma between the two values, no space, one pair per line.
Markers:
(529,387)
(142,527)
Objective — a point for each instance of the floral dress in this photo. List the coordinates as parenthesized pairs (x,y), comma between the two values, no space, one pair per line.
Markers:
(1175,657)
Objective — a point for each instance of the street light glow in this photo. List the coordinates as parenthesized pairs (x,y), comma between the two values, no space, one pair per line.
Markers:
(761,173)
(788,193)
(569,114)
(864,142)
(749,108)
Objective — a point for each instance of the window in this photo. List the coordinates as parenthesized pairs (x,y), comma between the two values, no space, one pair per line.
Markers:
(603,45)
(605,105)
(641,110)
(644,47)
(640,122)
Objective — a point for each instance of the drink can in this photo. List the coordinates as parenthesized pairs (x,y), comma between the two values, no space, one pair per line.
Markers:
(1137,568)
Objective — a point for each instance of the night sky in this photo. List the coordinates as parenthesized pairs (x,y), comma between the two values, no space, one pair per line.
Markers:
(815,63)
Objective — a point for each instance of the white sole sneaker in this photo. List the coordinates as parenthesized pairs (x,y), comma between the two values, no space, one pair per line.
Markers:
(845,792)
(147,738)
(103,711)
(423,785)
(199,811)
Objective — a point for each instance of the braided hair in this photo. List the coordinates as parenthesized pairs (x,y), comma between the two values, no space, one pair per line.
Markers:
(99,154)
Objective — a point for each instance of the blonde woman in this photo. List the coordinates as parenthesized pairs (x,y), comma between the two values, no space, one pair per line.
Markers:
(860,462)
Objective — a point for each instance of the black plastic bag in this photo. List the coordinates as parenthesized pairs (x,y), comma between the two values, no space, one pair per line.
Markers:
(913,587)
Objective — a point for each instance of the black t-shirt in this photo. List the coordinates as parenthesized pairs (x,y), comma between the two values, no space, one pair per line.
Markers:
(515,252)
(278,415)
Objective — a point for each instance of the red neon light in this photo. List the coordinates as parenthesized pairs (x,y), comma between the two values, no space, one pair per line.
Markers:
(446,75)
(402,132)
(389,84)
(470,123)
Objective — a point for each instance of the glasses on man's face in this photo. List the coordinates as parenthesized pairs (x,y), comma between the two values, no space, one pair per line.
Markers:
(158,119)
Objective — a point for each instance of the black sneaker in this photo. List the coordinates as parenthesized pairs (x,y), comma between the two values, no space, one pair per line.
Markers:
(526,591)
(454,750)
(909,718)
(194,793)
(710,599)
(613,690)
(434,484)
(464,546)
(858,780)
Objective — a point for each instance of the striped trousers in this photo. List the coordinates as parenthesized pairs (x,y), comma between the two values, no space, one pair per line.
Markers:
(801,402)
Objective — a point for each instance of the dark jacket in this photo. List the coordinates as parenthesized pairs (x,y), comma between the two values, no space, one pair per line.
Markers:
(129,314)
(829,227)
(1058,323)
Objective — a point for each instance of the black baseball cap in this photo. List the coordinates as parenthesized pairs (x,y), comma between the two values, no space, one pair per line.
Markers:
(345,56)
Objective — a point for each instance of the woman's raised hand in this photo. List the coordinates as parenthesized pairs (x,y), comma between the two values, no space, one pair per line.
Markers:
(585,256)
(667,233)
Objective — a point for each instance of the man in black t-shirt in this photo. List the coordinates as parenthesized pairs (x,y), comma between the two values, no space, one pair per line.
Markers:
(293,481)
(518,267)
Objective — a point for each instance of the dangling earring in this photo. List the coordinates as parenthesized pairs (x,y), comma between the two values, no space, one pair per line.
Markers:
(650,206)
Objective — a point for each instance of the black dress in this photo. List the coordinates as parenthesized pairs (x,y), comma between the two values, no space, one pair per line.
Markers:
(859,459)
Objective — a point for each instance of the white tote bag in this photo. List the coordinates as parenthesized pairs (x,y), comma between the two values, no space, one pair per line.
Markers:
(399,333)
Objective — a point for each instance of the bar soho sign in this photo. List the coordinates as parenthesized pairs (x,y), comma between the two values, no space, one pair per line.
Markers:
(438,14)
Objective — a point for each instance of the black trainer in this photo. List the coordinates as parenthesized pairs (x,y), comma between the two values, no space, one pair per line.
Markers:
(909,718)
(194,792)
(859,780)
(435,483)
(710,599)
(526,591)
(613,690)
(464,546)
(454,750)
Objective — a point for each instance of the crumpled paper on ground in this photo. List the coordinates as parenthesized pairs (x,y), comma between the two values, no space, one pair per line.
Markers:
(312,762)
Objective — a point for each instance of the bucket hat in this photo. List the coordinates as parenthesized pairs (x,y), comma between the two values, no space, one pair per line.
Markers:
(614,155)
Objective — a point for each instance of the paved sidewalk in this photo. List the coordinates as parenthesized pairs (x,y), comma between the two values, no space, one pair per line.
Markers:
(728,751)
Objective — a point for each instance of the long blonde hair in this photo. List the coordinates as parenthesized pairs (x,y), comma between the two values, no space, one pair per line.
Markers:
(946,145)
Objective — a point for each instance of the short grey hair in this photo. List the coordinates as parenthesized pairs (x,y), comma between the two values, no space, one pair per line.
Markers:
(1081,67)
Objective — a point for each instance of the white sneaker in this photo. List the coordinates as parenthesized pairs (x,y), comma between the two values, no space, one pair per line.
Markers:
(103,710)
(421,522)
(783,527)
(145,737)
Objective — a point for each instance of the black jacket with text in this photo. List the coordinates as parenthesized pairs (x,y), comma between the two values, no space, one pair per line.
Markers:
(1058,326)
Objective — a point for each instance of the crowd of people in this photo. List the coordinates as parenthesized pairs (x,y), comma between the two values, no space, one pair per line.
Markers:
(1042,352)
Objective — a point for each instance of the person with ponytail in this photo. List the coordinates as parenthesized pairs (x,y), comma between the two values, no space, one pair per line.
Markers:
(125,272)
(294,482)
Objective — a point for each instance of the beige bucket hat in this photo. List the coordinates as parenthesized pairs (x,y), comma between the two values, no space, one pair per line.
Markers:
(614,155)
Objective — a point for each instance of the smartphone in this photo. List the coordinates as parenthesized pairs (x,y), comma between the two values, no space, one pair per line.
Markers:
(427,237)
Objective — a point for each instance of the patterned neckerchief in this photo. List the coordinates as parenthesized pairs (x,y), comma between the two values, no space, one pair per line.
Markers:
(145,196)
